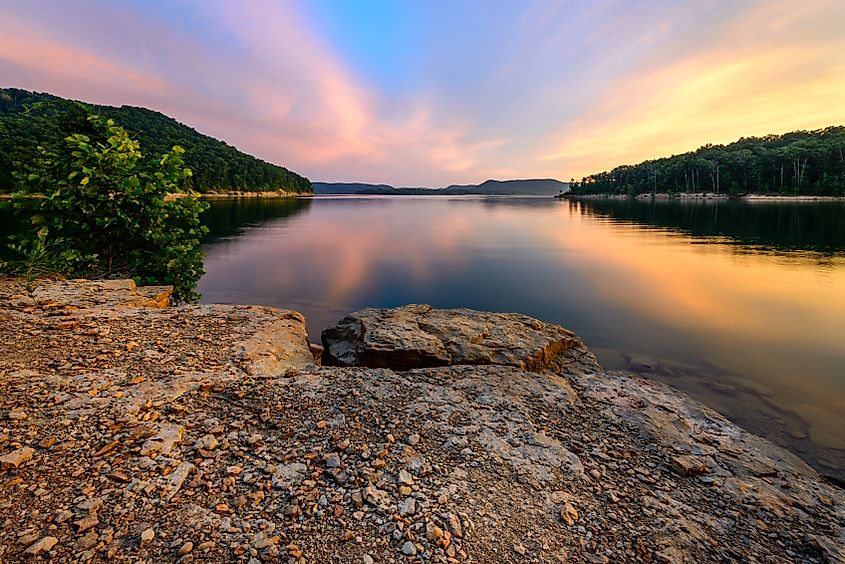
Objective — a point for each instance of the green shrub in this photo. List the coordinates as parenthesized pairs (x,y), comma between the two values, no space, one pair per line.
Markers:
(98,210)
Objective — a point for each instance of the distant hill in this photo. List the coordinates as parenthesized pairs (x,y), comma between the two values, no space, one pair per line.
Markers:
(215,165)
(346,187)
(529,187)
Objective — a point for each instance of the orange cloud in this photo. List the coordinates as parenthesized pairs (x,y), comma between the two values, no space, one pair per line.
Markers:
(755,77)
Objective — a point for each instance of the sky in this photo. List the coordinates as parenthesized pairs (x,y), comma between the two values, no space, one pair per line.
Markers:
(434,92)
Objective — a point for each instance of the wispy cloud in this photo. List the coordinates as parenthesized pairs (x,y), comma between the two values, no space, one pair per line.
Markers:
(762,73)
(535,89)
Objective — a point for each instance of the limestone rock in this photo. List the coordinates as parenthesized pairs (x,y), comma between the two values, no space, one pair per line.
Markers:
(418,336)
(168,436)
(16,457)
(102,294)
(689,465)
(41,546)
(177,478)
(568,514)
(287,475)
(278,346)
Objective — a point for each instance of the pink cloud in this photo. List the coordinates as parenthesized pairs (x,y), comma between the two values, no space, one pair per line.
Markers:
(262,76)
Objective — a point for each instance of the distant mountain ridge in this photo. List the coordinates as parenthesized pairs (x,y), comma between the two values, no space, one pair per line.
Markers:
(522,187)
(347,187)
(216,166)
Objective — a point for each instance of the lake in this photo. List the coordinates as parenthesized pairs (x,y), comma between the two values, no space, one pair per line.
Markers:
(741,305)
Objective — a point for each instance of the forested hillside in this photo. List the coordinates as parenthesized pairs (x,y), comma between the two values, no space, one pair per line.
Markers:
(797,163)
(215,165)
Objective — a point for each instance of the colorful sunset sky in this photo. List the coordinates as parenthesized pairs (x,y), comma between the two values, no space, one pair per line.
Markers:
(433,92)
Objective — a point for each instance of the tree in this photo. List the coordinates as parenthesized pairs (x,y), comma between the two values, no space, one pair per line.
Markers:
(104,211)
(801,162)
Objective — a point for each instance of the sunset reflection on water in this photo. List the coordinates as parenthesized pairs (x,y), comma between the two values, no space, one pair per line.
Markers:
(751,323)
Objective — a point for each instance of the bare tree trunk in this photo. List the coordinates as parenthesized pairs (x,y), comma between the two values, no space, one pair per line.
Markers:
(717,178)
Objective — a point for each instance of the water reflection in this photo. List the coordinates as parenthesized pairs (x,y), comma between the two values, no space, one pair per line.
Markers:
(743,307)
(230,217)
(754,226)
(10,224)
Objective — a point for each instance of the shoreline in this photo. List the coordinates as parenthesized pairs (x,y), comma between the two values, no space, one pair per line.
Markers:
(217,428)
(237,194)
(703,197)
(218,195)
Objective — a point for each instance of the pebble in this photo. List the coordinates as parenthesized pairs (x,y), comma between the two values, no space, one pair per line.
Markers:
(455,526)
(405,477)
(332,460)
(568,514)
(88,522)
(41,546)
(207,442)
(185,549)
(409,549)
(689,465)
(408,506)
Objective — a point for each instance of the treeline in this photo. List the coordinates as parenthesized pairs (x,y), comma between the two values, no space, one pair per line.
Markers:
(29,120)
(797,163)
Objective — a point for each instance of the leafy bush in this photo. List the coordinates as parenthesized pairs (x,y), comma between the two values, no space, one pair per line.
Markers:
(99,210)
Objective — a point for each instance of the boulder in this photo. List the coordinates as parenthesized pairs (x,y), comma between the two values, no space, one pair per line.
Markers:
(419,336)
(280,343)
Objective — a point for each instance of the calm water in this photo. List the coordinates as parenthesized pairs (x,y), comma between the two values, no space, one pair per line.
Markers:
(740,305)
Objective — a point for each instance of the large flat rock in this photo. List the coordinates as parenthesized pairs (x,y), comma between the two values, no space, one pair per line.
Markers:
(58,295)
(63,317)
(419,336)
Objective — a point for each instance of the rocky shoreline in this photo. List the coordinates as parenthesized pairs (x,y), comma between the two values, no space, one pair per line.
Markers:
(136,432)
